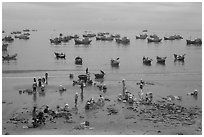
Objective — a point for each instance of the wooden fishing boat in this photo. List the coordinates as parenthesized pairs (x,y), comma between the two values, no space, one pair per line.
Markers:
(123,40)
(84,41)
(10,57)
(60,55)
(147,60)
(115,62)
(100,75)
(169,38)
(196,41)
(4,46)
(161,59)
(154,40)
(55,41)
(142,36)
(179,57)
(78,60)
(82,77)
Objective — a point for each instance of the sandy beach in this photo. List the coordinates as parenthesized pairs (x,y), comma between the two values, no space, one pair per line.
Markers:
(127,121)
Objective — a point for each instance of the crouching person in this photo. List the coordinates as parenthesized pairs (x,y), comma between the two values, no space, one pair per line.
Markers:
(149,97)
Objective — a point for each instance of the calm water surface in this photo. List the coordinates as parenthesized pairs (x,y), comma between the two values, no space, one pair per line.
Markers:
(36,56)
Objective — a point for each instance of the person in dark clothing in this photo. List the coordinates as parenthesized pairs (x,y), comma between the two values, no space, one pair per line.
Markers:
(82,90)
(39,82)
(46,78)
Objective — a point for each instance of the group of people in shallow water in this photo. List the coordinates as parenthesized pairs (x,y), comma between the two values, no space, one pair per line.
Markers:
(90,104)
(41,82)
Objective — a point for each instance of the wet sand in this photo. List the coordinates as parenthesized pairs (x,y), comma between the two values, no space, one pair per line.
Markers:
(124,122)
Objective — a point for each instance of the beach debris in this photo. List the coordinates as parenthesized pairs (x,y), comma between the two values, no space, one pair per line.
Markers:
(61,88)
(83,125)
(195,93)
(169,113)
(112,110)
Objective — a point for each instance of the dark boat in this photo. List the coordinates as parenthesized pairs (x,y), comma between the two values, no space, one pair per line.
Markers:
(99,37)
(115,62)
(178,37)
(100,75)
(154,40)
(89,35)
(60,55)
(144,30)
(154,36)
(10,57)
(8,39)
(22,36)
(105,38)
(56,41)
(123,40)
(142,36)
(179,57)
(82,77)
(26,30)
(4,46)
(78,60)
(161,60)
(84,41)
(147,60)
(115,36)
(74,36)
(196,41)
(170,38)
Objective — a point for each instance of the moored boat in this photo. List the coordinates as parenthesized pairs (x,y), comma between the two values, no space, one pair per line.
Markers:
(115,62)
(170,38)
(196,41)
(147,60)
(100,75)
(60,55)
(84,41)
(161,59)
(179,57)
(4,46)
(154,40)
(10,57)
(124,40)
(78,60)
(142,36)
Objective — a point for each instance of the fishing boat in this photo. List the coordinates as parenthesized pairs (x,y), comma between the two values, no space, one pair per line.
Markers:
(107,38)
(142,36)
(89,35)
(115,62)
(196,41)
(100,75)
(153,40)
(8,39)
(4,46)
(22,36)
(124,40)
(147,60)
(78,60)
(161,59)
(84,41)
(82,77)
(179,57)
(9,57)
(56,41)
(60,55)
(74,36)
(178,37)
(170,38)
